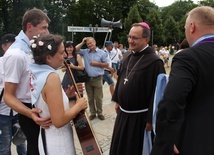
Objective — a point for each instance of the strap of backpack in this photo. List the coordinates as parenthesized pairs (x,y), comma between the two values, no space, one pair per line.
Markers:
(114,55)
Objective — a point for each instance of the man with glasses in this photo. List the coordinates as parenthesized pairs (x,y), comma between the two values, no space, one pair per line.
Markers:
(95,61)
(134,92)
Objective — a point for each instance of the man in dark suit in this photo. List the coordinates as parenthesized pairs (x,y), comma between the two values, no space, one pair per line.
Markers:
(185,114)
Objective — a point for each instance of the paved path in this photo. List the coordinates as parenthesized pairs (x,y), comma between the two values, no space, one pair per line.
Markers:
(102,129)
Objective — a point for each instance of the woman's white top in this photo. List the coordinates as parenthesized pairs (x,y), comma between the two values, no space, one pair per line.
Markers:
(58,140)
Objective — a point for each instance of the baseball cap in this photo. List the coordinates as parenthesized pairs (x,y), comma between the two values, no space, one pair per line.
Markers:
(107,43)
(8,38)
(123,50)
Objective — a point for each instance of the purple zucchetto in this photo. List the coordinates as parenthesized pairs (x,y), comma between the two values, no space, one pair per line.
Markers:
(144,24)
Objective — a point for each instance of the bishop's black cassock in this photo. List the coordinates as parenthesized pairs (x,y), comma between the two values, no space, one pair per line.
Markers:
(134,91)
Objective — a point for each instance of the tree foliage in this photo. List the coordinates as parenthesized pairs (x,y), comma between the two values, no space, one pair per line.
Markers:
(167,24)
(133,17)
(207,3)
(174,33)
(154,18)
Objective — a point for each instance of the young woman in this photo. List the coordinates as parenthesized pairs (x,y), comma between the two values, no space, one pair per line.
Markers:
(47,94)
(75,64)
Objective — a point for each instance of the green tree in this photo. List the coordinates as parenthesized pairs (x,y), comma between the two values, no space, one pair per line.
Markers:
(177,11)
(155,22)
(171,31)
(126,6)
(110,10)
(133,17)
(144,7)
(5,15)
(207,3)
(55,11)
(84,12)
(12,12)
(81,13)
(181,25)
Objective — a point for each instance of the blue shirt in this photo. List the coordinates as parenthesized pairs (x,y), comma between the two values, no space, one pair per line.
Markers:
(22,42)
(97,55)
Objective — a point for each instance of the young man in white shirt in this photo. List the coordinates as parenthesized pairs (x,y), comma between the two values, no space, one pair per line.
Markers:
(116,55)
(16,75)
(109,71)
(8,117)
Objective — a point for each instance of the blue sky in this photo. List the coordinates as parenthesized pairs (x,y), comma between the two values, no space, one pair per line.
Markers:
(162,3)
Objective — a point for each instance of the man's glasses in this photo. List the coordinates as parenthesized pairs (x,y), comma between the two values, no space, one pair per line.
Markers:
(134,38)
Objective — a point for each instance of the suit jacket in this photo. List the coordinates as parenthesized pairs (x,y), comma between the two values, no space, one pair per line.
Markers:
(185,115)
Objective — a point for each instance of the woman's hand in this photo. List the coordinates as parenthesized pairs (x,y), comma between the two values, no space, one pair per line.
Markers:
(64,69)
(70,92)
(81,102)
(71,65)
(81,88)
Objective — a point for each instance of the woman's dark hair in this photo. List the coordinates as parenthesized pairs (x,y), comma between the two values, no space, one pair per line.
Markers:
(71,44)
(44,45)
(184,44)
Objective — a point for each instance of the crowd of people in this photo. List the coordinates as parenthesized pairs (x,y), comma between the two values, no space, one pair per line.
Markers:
(33,95)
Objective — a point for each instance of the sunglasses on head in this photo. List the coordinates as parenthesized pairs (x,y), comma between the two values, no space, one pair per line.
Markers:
(69,42)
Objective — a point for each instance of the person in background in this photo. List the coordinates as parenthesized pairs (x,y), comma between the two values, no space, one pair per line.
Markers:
(116,56)
(185,115)
(7,40)
(95,61)
(8,117)
(123,50)
(155,47)
(109,71)
(134,93)
(16,75)
(49,96)
(75,64)
(184,44)
(165,55)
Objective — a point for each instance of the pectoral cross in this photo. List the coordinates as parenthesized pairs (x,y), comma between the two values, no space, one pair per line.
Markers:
(125,80)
